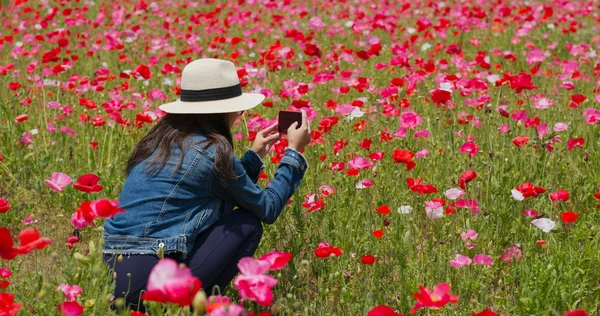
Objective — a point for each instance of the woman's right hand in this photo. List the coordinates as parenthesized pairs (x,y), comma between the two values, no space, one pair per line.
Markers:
(298,138)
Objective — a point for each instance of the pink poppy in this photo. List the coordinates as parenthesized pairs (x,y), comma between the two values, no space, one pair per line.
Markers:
(483,259)
(468,235)
(559,127)
(360,163)
(70,308)
(71,292)
(170,284)
(460,261)
(469,147)
(530,213)
(400,132)
(363,184)
(592,116)
(454,193)
(422,154)
(252,283)
(410,120)
(542,130)
(58,181)
(277,259)
(5,273)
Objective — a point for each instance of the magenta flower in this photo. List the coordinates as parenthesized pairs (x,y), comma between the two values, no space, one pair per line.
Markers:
(410,120)
(71,292)
(25,139)
(277,259)
(483,259)
(360,163)
(468,235)
(170,284)
(592,116)
(70,308)
(58,181)
(422,154)
(454,193)
(469,147)
(460,261)
(559,127)
(252,283)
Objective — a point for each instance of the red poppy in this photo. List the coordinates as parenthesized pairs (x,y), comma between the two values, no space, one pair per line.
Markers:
(7,304)
(7,250)
(21,118)
(416,186)
(4,207)
(465,178)
(378,233)
(90,211)
(367,259)
(576,312)
(520,141)
(316,205)
(436,299)
(377,156)
(72,240)
(366,144)
(485,312)
(520,82)
(141,71)
(30,240)
(404,156)
(382,310)
(325,250)
(384,209)
(560,195)
(14,86)
(575,142)
(440,96)
(578,98)
(529,190)
(88,183)
(597,195)
(569,217)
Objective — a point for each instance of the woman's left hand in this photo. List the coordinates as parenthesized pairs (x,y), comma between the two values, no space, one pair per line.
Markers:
(265,139)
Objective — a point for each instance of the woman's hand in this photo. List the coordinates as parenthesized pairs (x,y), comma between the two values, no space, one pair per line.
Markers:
(265,139)
(298,138)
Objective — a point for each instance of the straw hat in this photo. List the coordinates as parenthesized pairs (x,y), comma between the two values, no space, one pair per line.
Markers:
(211,86)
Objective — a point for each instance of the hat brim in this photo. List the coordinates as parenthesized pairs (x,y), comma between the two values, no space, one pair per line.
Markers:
(243,102)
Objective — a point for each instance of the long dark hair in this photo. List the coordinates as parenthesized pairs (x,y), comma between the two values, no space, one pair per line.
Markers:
(173,130)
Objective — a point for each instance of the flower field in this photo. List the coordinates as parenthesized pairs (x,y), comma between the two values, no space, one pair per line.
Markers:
(454,167)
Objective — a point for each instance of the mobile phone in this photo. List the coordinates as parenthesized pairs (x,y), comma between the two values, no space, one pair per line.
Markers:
(286,118)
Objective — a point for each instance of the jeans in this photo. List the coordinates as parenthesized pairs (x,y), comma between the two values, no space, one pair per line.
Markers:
(213,258)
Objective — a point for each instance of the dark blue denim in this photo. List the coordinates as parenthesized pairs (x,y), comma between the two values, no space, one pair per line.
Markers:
(213,258)
(170,208)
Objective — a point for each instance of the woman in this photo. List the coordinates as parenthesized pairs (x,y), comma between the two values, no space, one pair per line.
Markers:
(183,183)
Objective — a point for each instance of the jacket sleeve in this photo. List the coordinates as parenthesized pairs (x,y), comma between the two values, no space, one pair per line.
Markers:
(266,204)
(252,164)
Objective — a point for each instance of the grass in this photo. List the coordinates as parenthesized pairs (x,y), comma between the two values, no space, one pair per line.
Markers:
(548,280)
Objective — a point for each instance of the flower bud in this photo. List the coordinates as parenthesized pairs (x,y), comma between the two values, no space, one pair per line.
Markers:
(161,251)
(199,303)
(120,258)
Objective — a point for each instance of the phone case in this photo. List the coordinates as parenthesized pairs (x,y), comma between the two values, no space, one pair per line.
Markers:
(286,118)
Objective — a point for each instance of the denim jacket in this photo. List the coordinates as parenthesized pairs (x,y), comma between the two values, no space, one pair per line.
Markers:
(171,207)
